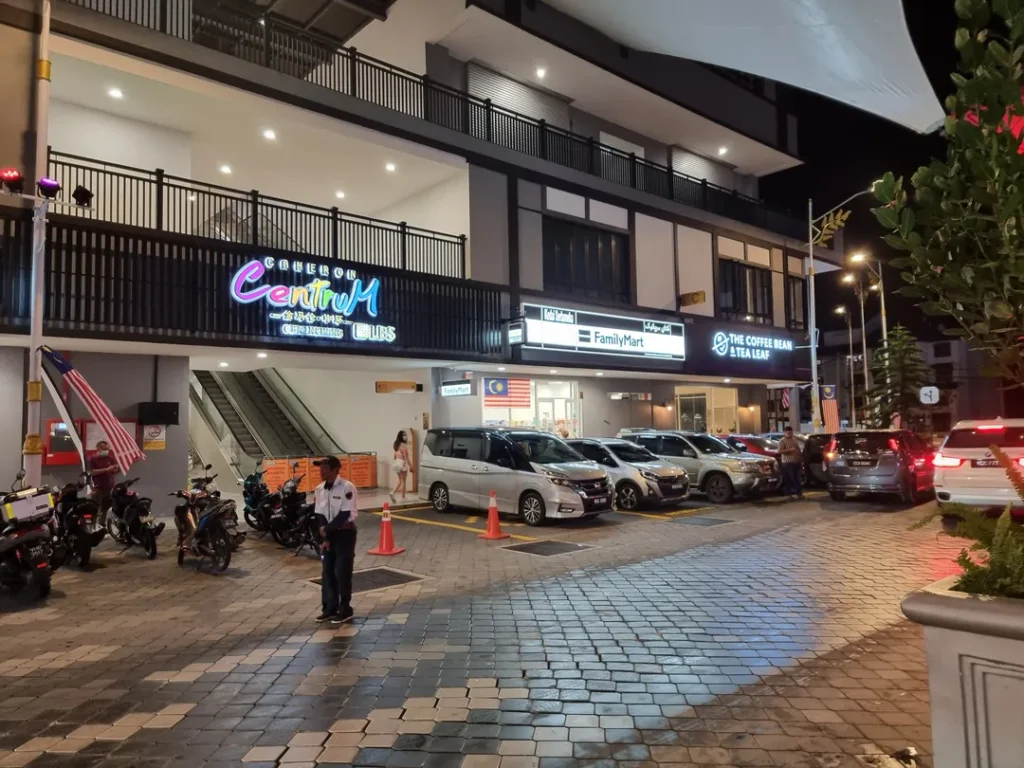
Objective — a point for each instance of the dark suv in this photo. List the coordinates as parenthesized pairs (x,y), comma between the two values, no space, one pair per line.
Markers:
(879,461)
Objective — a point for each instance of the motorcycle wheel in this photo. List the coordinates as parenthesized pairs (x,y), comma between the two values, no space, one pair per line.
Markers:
(42,579)
(254,520)
(114,526)
(221,546)
(148,541)
(281,537)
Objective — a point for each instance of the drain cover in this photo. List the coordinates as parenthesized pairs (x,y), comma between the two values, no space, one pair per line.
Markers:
(377,578)
(548,548)
(702,521)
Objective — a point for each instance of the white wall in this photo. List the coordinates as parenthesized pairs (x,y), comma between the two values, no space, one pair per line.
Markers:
(655,271)
(488,227)
(696,268)
(443,207)
(411,24)
(355,415)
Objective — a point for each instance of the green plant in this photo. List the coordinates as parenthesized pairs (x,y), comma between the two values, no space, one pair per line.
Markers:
(1001,572)
(962,232)
(898,372)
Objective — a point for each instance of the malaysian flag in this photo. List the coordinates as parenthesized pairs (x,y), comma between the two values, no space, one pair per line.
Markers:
(830,407)
(123,445)
(507,393)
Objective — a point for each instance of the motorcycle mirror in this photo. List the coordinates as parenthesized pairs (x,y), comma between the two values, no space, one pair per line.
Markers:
(208,466)
(295,465)
(21,474)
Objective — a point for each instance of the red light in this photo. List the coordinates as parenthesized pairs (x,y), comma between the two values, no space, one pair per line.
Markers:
(1020,461)
(13,180)
(42,565)
(946,461)
(990,427)
(893,445)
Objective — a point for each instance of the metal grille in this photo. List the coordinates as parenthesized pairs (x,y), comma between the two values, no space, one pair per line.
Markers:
(372,579)
(548,548)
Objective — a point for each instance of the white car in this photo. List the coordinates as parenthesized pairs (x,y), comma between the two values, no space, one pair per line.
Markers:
(967,472)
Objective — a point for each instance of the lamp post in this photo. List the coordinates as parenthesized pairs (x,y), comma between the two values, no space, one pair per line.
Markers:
(812,221)
(860,259)
(841,310)
(858,289)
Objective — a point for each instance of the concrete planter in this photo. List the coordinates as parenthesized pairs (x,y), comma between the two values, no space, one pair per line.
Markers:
(975,648)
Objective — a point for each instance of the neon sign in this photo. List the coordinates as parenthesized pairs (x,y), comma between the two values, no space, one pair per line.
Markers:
(318,308)
(745,346)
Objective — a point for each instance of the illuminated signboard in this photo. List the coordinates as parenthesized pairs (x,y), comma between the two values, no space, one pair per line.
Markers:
(457,388)
(569,330)
(748,346)
(315,301)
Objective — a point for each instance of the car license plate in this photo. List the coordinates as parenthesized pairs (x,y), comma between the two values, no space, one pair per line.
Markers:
(599,499)
(678,486)
(862,463)
(35,551)
(985,463)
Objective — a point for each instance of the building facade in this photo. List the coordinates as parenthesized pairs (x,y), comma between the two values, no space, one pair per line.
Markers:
(388,216)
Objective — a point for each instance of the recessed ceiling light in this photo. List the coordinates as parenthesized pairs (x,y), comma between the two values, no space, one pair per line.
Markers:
(225,169)
(390,167)
(553,371)
(599,373)
(115,93)
(726,380)
(723,151)
(223,363)
(269,134)
(261,355)
(501,367)
(340,195)
(541,73)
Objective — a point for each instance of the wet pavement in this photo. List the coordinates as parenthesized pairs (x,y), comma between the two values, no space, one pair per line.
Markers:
(771,638)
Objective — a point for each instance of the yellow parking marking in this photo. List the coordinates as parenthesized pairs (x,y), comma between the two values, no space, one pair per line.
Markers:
(471,520)
(440,524)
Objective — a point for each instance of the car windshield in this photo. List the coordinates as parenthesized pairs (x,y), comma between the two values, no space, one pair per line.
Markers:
(709,444)
(864,442)
(1004,437)
(545,449)
(631,453)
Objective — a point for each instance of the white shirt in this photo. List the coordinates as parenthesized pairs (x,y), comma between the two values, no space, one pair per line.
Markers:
(330,502)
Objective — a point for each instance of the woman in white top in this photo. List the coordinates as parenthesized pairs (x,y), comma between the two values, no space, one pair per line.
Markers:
(400,465)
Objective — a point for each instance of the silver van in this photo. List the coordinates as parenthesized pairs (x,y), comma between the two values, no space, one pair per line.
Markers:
(535,475)
(637,474)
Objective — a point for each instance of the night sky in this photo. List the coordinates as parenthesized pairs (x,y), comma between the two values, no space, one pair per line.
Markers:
(844,150)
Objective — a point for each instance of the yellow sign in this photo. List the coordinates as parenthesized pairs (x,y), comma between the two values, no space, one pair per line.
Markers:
(392,387)
(154,437)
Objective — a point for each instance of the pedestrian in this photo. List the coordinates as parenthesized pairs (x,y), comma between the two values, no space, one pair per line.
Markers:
(103,468)
(400,465)
(792,455)
(336,511)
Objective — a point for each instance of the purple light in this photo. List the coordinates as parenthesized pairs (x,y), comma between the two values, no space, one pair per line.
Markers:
(49,188)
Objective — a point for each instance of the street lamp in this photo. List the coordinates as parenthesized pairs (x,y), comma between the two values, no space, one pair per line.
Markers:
(858,289)
(859,259)
(812,308)
(841,310)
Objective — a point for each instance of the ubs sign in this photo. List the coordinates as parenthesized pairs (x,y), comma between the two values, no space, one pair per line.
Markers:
(748,346)
(569,330)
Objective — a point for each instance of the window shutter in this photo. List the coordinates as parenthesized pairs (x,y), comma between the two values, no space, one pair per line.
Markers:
(512,95)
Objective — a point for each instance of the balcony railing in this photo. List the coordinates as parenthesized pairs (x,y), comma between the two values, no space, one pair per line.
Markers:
(160,201)
(272,42)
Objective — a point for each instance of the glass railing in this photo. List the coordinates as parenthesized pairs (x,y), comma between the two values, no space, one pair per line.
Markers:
(229,447)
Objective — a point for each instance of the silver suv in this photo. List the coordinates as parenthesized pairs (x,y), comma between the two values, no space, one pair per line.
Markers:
(637,474)
(535,475)
(716,470)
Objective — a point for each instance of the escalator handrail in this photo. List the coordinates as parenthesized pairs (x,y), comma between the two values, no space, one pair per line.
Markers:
(240,413)
(332,447)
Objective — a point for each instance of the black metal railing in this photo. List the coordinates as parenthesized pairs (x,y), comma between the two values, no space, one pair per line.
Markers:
(160,201)
(110,281)
(275,43)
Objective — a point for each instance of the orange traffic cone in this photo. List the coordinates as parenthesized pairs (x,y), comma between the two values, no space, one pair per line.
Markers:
(386,545)
(493,523)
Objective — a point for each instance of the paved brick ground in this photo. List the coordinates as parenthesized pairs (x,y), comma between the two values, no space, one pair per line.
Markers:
(773,639)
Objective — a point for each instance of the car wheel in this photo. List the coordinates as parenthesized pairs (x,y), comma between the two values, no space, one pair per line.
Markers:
(628,497)
(837,495)
(439,497)
(531,508)
(719,489)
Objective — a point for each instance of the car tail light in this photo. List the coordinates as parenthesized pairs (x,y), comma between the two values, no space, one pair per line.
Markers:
(947,462)
(893,445)
(990,427)
(830,451)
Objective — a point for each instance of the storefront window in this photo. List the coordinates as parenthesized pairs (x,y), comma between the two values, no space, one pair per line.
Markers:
(693,412)
(550,406)
(707,409)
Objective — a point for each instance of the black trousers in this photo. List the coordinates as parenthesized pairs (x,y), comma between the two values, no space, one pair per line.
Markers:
(791,478)
(336,581)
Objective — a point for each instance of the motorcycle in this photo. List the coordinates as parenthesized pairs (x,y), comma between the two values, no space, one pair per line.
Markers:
(285,518)
(305,532)
(204,517)
(26,546)
(77,520)
(130,519)
(259,506)
(209,495)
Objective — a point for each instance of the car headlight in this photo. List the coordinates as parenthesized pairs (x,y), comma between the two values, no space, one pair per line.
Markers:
(647,475)
(742,466)
(561,480)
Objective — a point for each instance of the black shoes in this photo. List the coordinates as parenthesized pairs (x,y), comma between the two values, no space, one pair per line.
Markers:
(332,617)
(338,620)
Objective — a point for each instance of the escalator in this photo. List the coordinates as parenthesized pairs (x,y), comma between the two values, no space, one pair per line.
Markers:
(219,399)
(276,429)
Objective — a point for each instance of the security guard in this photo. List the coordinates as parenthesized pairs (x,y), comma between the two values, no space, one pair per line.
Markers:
(336,512)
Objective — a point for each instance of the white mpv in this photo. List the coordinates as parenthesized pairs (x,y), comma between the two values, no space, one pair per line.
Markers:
(967,472)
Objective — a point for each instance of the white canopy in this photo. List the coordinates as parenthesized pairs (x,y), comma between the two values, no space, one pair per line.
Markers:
(858,52)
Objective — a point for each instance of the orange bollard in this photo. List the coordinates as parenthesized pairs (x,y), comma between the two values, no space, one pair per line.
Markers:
(493,523)
(386,545)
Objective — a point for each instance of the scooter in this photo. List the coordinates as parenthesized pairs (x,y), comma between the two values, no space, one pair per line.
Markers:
(78,520)
(209,494)
(204,518)
(254,491)
(130,519)
(26,546)
(285,518)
